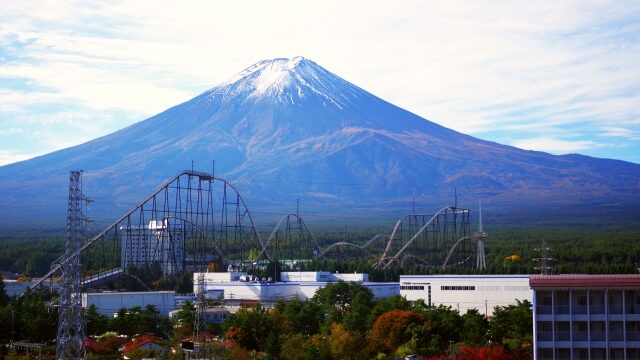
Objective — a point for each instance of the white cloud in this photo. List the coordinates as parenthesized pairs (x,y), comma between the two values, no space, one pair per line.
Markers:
(8,157)
(621,132)
(518,67)
(555,146)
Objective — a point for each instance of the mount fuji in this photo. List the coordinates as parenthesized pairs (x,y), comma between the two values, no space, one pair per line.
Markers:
(287,129)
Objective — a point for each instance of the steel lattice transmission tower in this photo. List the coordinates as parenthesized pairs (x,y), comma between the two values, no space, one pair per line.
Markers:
(200,321)
(480,235)
(544,260)
(70,321)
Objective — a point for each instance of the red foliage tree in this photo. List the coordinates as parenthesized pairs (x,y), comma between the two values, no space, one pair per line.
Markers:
(483,353)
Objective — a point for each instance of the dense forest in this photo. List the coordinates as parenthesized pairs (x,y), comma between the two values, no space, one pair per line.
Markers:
(572,251)
(342,321)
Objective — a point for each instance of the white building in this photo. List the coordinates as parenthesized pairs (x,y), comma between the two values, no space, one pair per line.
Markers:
(156,242)
(294,285)
(464,292)
(109,303)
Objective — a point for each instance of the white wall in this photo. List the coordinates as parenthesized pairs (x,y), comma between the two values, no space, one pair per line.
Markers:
(321,276)
(108,303)
(463,292)
(303,289)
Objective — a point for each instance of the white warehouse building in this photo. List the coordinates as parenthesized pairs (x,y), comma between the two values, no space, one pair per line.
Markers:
(109,303)
(294,285)
(464,292)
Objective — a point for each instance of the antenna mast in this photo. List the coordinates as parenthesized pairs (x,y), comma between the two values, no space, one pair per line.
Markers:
(480,235)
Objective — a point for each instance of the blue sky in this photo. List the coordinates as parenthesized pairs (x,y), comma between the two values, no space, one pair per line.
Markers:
(556,76)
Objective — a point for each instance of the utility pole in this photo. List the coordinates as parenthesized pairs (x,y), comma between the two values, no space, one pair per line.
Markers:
(70,322)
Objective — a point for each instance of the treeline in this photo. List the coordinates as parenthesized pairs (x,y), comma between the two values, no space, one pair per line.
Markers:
(572,251)
(30,254)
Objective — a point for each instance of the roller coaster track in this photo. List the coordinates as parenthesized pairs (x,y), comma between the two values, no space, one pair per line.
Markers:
(348,244)
(238,226)
(388,261)
(446,260)
(202,232)
(286,221)
(180,227)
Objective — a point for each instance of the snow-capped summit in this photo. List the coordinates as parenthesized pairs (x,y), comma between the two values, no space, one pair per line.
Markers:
(289,129)
(288,81)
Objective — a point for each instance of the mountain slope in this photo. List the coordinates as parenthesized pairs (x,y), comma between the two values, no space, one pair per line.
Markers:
(288,129)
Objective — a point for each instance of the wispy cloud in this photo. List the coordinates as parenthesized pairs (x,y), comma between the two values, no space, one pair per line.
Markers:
(8,157)
(512,72)
(621,132)
(555,146)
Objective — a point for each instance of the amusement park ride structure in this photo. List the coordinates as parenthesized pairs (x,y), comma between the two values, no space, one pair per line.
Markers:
(196,220)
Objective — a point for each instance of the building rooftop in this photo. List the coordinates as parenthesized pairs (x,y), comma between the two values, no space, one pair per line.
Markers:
(462,276)
(584,281)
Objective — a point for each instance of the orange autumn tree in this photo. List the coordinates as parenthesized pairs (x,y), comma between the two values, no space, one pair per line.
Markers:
(344,344)
(389,329)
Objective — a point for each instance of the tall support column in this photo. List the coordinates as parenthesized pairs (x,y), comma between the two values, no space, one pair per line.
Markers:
(200,323)
(70,322)
(480,235)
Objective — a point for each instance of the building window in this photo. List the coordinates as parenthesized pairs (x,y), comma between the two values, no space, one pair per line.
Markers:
(412,287)
(457,287)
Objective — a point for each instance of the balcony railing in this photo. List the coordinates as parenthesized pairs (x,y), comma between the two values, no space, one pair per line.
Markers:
(615,308)
(632,309)
(545,336)
(633,335)
(580,335)
(580,309)
(616,335)
(544,309)
(564,335)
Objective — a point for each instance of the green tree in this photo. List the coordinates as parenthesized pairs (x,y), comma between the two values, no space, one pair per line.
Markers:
(358,312)
(121,323)
(303,317)
(512,327)
(5,323)
(255,328)
(4,299)
(475,328)
(186,313)
(340,295)
(96,323)
(34,320)
(184,283)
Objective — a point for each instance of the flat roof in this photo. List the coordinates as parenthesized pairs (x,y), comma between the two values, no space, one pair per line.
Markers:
(517,276)
(131,293)
(584,281)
